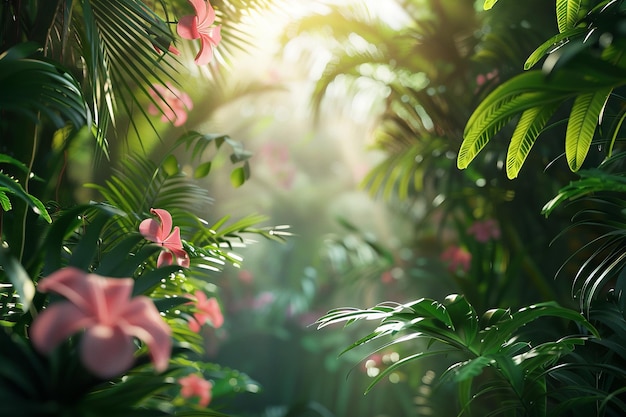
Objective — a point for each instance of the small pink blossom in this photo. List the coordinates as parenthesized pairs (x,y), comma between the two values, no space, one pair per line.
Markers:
(111,319)
(208,310)
(159,232)
(262,300)
(483,78)
(170,103)
(198,26)
(246,277)
(387,277)
(196,386)
(457,257)
(485,230)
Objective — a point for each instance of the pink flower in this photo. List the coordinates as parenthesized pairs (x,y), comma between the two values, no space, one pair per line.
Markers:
(485,230)
(196,386)
(208,311)
(170,103)
(457,257)
(198,26)
(159,232)
(103,307)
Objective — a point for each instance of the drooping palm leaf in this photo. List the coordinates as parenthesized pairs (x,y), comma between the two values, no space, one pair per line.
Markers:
(568,12)
(526,132)
(32,85)
(583,120)
(530,90)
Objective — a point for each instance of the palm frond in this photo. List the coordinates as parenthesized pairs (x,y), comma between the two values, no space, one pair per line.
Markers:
(583,120)
(568,12)
(530,125)
(33,85)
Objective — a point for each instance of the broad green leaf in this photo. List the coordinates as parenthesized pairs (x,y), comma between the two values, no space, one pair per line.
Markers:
(10,185)
(495,118)
(488,4)
(238,177)
(493,316)
(526,132)
(170,165)
(22,283)
(5,203)
(567,13)
(147,281)
(87,248)
(463,316)
(500,333)
(583,120)
(202,170)
(528,90)
(428,308)
(164,304)
(469,369)
(552,44)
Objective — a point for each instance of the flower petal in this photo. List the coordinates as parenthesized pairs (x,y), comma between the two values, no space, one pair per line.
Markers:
(205,55)
(107,351)
(187,28)
(173,241)
(165,258)
(71,283)
(166,222)
(142,320)
(204,12)
(149,229)
(56,323)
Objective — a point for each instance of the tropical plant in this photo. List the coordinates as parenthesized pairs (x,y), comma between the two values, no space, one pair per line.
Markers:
(102,302)
(584,66)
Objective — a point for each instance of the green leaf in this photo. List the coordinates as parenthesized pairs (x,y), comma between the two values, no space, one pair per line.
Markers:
(528,90)
(567,13)
(5,203)
(488,4)
(238,177)
(552,44)
(33,86)
(10,185)
(583,120)
(469,369)
(498,335)
(147,281)
(202,170)
(463,316)
(526,132)
(170,165)
(22,283)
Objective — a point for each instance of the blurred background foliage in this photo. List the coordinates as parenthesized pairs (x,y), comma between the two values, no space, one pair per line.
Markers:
(353,112)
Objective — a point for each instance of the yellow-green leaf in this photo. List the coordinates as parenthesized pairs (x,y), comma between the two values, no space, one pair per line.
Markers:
(567,12)
(552,44)
(489,4)
(237,177)
(581,126)
(526,132)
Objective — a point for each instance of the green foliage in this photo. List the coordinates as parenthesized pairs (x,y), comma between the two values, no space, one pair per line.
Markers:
(579,66)
(34,85)
(494,341)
